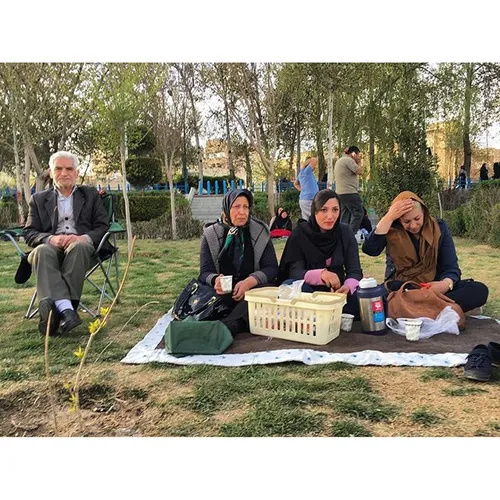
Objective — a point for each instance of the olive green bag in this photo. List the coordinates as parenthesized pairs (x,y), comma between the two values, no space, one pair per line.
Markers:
(186,337)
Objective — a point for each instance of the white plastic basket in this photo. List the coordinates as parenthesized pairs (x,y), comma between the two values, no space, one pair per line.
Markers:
(313,318)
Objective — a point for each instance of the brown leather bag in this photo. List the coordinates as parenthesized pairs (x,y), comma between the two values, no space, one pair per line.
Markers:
(421,302)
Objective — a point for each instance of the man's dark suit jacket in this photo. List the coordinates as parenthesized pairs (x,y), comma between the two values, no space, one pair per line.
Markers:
(88,211)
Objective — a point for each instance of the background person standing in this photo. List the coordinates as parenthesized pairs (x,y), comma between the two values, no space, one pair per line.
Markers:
(347,171)
(483,172)
(307,185)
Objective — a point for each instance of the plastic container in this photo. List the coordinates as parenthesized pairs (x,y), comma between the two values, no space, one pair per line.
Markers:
(412,328)
(346,322)
(371,299)
(226,283)
(313,318)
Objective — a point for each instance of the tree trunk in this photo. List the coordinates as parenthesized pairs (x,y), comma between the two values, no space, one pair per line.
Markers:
(169,167)
(297,166)
(28,144)
(82,180)
(248,166)
(184,154)
(371,152)
(19,192)
(467,110)
(40,182)
(199,152)
(123,158)
(230,162)
(290,161)
(321,154)
(329,181)
(270,192)
(371,133)
(27,169)
(318,132)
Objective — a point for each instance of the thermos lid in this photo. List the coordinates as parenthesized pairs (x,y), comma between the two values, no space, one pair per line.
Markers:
(368,283)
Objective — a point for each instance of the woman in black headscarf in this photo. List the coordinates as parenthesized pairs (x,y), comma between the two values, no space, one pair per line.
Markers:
(323,252)
(483,172)
(238,245)
(281,224)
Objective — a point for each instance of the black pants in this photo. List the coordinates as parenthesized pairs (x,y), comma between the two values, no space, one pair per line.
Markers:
(468,294)
(352,210)
(237,320)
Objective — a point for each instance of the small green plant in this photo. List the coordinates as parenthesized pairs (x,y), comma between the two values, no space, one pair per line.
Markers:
(364,405)
(437,373)
(456,221)
(494,426)
(425,417)
(348,428)
(352,384)
(143,171)
(463,391)
(266,420)
(339,366)
(136,393)
(479,213)
(12,375)
(494,238)
(260,209)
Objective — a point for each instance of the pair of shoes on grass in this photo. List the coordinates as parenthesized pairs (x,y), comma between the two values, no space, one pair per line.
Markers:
(60,322)
(480,362)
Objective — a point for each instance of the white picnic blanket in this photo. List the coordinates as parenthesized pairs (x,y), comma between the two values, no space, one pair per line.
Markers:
(145,352)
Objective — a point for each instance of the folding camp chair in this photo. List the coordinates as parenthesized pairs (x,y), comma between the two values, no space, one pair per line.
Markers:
(106,260)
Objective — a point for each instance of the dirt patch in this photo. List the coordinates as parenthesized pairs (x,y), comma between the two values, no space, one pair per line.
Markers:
(460,415)
(141,401)
(23,413)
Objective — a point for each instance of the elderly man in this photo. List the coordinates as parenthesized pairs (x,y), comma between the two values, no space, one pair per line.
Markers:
(65,224)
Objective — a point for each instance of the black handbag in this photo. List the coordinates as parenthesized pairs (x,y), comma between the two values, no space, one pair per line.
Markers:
(200,302)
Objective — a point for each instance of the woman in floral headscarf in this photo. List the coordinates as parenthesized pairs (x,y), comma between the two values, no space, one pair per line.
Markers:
(237,245)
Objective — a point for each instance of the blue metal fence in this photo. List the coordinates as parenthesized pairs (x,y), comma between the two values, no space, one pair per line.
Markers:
(206,188)
(209,188)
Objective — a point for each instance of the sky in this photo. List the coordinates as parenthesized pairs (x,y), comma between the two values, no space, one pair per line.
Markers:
(491,138)
(223,30)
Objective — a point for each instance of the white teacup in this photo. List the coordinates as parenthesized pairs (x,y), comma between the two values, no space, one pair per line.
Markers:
(226,283)
(346,322)
(412,327)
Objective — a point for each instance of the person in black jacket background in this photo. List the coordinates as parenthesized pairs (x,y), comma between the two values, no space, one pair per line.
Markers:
(280,225)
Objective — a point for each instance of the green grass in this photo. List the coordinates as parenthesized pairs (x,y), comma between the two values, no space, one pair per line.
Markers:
(348,428)
(7,374)
(364,405)
(437,373)
(425,417)
(270,420)
(462,391)
(291,399)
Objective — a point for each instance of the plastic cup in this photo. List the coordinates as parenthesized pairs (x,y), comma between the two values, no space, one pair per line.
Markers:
(226,282)
(412,327)
(346,322)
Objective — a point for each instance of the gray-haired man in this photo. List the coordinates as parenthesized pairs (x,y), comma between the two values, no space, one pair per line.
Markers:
(65,224)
